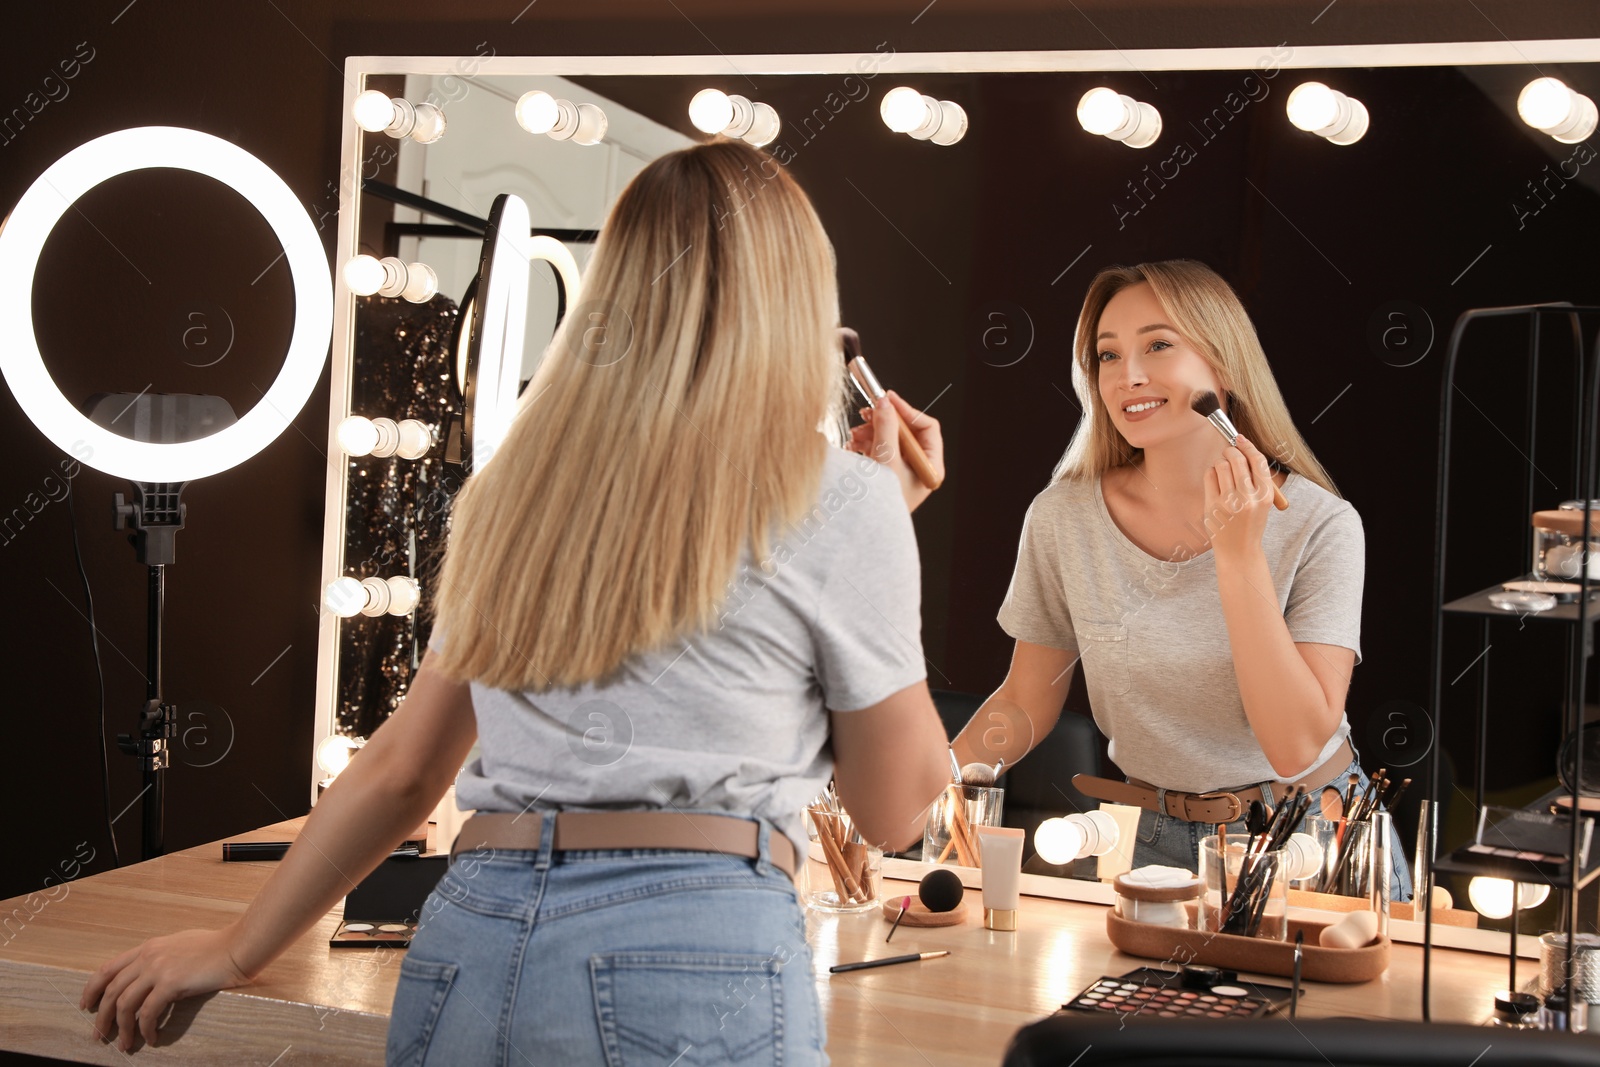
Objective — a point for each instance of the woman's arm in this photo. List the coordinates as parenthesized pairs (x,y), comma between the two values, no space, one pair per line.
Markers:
(1023,711)
(389,788)
(889,765)
(1293,693)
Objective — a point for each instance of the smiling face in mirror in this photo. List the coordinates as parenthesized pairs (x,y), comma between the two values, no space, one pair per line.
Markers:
(1147,371)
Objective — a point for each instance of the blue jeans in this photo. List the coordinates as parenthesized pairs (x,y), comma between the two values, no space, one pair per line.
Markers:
(1175,842)
(608,957)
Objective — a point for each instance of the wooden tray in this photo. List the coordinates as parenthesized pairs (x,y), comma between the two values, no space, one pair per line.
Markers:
(1256,955)
(1300,898)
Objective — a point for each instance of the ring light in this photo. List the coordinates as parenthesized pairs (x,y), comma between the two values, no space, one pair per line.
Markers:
(22,241)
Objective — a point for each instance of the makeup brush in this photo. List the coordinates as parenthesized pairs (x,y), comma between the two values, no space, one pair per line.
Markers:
(876,396)
(1208,407)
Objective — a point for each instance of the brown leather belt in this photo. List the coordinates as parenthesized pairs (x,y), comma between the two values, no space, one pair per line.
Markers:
(1218,805)
(584,830)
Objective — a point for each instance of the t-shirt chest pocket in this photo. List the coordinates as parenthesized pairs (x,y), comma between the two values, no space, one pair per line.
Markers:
(1104,648)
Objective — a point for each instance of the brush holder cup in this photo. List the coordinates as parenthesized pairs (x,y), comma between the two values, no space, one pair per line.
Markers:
(951,835)
(843,871)
(1244,893)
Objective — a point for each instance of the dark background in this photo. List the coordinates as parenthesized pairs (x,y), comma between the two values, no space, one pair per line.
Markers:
(985,227)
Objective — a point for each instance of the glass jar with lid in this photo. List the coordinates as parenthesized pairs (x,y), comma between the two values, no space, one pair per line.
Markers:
(1560,549)
(1515,1011)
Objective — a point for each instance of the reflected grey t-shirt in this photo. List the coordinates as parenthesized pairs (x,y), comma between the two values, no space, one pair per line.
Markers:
(1151,634)
(733,719)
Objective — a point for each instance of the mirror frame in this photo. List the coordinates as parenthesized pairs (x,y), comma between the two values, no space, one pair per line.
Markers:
(1110,61)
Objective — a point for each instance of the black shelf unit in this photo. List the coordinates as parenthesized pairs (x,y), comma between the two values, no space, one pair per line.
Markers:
(1578,617)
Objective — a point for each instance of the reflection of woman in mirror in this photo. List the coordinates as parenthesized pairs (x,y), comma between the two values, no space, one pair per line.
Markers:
(1217,634)
(651,615)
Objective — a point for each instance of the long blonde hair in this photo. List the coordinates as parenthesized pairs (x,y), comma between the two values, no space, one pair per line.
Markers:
(1206,311)
(612,516)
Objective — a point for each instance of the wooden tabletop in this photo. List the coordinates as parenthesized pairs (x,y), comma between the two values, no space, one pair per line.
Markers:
(319,1005)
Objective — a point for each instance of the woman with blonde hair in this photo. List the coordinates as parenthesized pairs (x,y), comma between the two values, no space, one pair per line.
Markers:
(670,611)
(1217,634)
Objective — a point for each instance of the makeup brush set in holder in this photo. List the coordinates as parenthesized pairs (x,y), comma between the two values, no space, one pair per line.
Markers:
(1241,916)
(853,866)
(1353,835)
(970,800)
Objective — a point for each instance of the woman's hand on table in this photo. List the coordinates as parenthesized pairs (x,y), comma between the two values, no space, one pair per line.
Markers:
(1240,487)
(879,437)
(133,991)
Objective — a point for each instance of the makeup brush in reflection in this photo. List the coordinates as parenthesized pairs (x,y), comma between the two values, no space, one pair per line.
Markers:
(876,396)
(1208,407)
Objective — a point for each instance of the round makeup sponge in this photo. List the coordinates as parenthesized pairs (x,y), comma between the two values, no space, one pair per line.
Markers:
(941,891)
(1356,930)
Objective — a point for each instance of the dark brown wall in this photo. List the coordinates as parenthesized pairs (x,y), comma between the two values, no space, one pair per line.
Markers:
(124,277)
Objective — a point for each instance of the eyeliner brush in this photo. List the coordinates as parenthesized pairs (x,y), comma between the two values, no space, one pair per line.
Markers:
(1208,407)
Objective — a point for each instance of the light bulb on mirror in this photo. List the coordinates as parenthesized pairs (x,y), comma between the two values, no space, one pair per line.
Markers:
(1491,897)
(378,112)
(1058,841)
(372,111)
(1328,113)
(711,111)
(346,597)
(905,110)
(1108,113)
(381,437)
(366,275)
(716,112)
(561,120)
(1101,110)
(335,751)
(1062,840)
(1550,106)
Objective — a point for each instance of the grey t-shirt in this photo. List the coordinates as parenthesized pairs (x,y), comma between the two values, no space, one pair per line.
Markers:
(733,719)
(1151,635)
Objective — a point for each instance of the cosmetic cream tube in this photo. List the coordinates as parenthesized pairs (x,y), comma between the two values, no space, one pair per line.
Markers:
(1001,850)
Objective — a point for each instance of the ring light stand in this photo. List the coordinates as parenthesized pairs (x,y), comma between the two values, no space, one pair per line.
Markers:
(179,449)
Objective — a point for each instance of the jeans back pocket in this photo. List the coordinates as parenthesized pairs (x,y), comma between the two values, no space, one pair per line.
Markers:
(688,1008)
(1103,647)
(418,999)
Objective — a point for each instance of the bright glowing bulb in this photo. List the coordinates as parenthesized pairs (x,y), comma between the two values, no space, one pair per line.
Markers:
(403,595)
(1545,103)
(334,752)
(345,597)
(415,439)
(358,436)
(538,112)
(711,111)
(1312,106)
(1059,841)
(373,111)
(363,275)
(903,109)
(1102,110)
(1492,896)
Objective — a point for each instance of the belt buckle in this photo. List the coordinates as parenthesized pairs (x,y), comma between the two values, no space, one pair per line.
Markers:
(1236,809)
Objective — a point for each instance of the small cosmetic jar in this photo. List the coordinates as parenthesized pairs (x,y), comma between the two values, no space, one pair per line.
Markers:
(1156,895)
(1560,549)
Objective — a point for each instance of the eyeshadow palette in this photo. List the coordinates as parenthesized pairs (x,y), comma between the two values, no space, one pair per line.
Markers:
(373,934)
(1158,994)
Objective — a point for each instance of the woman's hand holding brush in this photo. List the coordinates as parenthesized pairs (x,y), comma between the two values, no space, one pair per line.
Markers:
(880,438)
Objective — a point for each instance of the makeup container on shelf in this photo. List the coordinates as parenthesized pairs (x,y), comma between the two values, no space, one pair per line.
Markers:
(1560,549)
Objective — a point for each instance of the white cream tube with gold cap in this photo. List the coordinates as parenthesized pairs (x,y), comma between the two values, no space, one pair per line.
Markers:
(1001,850)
